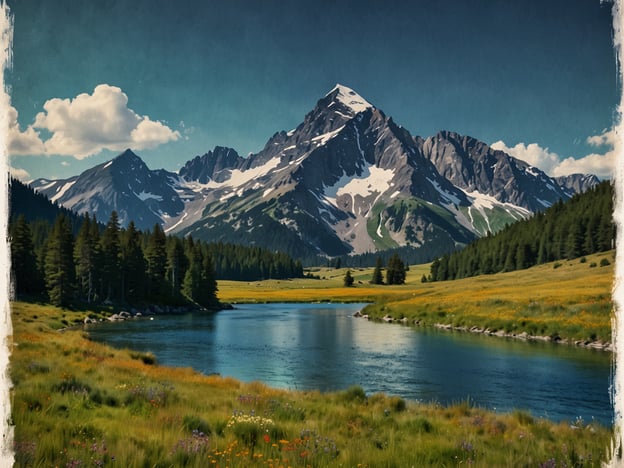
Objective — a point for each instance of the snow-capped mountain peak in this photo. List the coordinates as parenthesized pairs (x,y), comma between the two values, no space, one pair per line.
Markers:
(349,98)
(347,180)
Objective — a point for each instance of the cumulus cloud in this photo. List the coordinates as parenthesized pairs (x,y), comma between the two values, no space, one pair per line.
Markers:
(534,154)
(22,142)
(600,164)
(606,138)
(87,124)
(20,174)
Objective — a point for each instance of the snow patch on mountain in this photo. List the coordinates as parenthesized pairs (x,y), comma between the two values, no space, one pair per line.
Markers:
(240,177)
(62,191)
(450,198)
(350,99)
(373,180)
(146,196)
(322,139)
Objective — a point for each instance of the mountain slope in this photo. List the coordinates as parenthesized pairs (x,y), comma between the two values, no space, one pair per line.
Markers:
(23,200)
(339,182)
(582,225)
(124,184)
(347,180)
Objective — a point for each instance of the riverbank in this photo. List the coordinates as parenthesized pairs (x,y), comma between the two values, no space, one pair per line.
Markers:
(523,336)
(564,302)
(76,402)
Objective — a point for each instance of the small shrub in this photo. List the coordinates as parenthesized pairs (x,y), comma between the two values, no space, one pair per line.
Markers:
(69,384)
(354,394)
(96,396)
(148,358)
(556,265)
(593,265)
(523,417)
(604,262)
(194,423)
(398,404)
(583,260)
(420,424)
(220,427)
(38,368)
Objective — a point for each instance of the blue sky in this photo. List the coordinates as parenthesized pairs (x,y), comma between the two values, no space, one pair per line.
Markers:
(536,78)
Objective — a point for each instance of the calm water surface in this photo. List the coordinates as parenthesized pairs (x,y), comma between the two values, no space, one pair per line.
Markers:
(321,346)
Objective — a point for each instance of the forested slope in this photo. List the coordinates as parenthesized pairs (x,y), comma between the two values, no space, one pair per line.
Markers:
(581,226)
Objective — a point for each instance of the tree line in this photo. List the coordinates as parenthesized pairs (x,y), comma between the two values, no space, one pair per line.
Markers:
(580,226)
(96,263)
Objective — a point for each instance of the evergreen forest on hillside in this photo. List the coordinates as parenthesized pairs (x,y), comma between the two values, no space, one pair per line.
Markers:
(124,265)
(580,226)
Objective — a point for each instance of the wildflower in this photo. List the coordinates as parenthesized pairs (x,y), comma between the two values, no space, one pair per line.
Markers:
(267,438)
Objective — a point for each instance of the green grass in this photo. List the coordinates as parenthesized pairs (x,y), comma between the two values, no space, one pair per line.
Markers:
(572,301)
(80,403)
(374,223)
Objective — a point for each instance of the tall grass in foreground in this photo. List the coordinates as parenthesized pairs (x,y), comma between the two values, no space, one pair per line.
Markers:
(78,403)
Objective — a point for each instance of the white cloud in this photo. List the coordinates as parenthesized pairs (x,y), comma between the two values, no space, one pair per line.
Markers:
(20,174)
(602,165)
(534,154)
(606,138)
(87,124)
(26,142)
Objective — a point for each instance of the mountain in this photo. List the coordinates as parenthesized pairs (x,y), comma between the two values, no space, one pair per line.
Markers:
(578,183)
(476,168)
(347,180)
(23,200)
(214,165)
(124,184)
(582,225)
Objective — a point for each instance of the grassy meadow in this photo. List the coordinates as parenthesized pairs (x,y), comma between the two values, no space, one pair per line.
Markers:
(569,299)
(80,403)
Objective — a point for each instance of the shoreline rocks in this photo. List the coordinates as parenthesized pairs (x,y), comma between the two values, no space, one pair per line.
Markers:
(524,336)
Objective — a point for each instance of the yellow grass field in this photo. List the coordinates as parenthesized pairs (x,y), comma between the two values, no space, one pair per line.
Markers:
(565,299)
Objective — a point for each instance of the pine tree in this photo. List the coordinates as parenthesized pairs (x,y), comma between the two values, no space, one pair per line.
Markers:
(86,257)
(156,257)
(377,273)
(176,265)
(199,283)
(111,259)
(395,272)
(348,279)
(59,263)
(574,241)
(24,271)
(193,277)
(133,265)
(208,282)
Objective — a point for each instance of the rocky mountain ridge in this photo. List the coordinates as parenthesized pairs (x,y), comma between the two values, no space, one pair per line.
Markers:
(347,180)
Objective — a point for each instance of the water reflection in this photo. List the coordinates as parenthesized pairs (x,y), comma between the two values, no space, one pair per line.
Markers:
(323,347)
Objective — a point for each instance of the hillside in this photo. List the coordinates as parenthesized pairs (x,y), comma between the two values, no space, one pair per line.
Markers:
(580,226)
(34,206)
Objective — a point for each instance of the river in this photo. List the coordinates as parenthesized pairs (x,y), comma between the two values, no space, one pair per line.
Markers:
(322,346)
